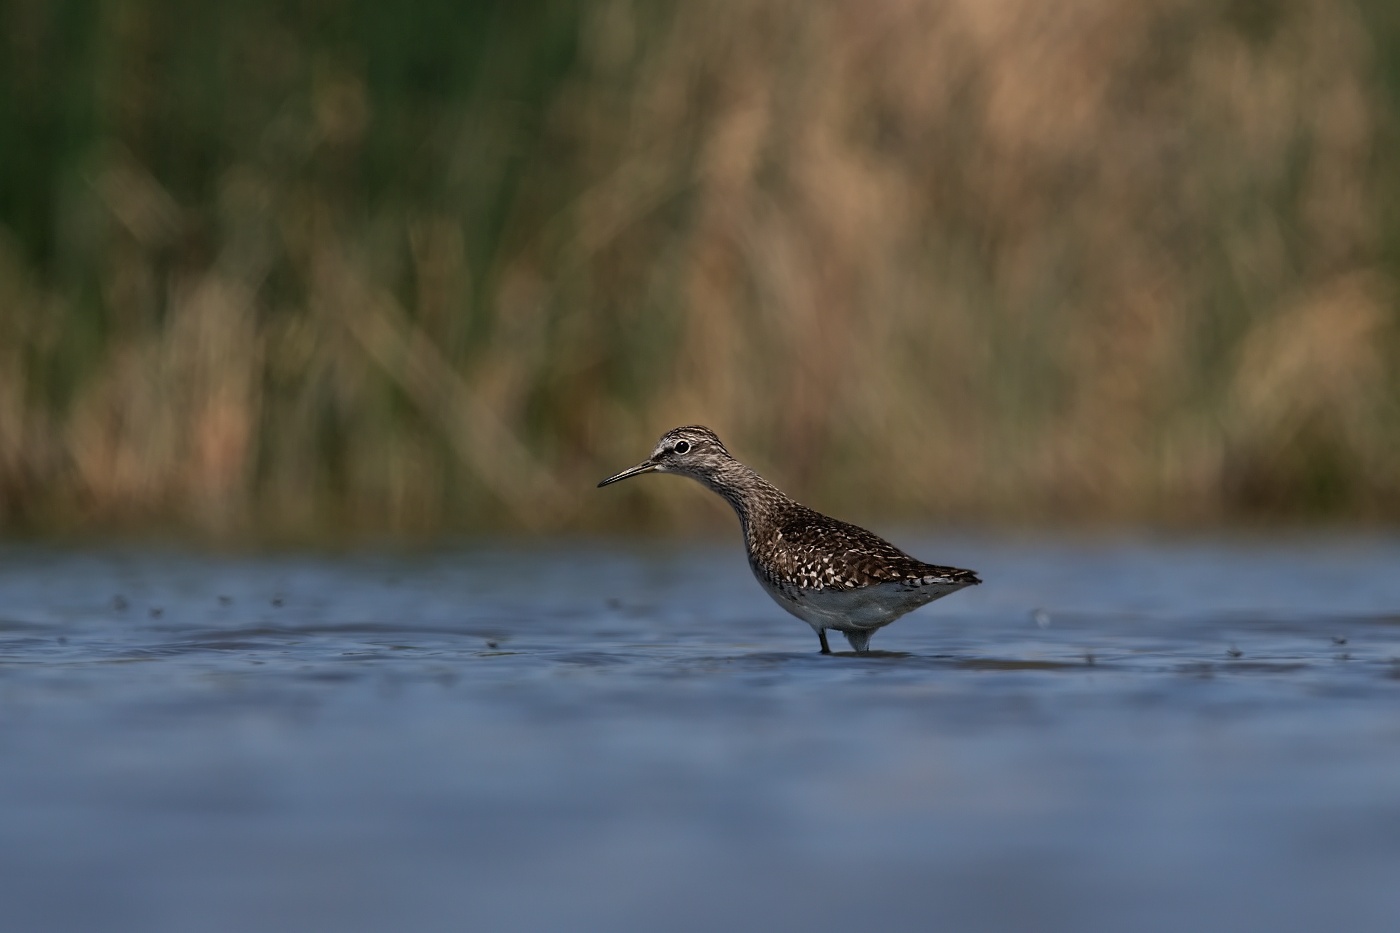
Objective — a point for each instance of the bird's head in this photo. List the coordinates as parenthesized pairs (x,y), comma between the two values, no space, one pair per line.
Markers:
(693,451)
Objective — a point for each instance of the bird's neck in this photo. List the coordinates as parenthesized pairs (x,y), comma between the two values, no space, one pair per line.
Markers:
(752,496)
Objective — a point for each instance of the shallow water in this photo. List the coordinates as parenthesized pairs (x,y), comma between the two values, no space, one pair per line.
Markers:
(1109,734)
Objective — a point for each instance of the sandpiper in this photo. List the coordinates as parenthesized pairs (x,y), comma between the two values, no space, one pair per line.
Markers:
(830,574)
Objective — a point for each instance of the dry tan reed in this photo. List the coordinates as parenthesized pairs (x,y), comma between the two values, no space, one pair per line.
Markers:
(935,259)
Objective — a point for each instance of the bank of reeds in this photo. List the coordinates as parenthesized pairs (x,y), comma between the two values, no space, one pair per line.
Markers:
(320,268)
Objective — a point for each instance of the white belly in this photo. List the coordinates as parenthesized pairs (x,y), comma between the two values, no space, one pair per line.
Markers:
(862,609)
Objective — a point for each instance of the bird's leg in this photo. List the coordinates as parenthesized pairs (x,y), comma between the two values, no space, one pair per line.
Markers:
(821,633)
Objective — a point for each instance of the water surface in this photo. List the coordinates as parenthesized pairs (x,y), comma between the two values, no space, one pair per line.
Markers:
(1110,734)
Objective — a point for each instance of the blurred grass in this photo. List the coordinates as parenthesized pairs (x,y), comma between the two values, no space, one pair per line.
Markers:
(342,267)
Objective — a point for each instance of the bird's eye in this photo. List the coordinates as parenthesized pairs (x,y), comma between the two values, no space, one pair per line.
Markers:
(682,447)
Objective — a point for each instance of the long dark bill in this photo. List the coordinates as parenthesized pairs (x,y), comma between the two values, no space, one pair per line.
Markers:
(646,466)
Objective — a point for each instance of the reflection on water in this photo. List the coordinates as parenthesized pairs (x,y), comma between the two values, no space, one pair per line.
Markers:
(1108,735)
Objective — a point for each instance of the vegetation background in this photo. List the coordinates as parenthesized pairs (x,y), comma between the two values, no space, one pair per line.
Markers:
(309,268)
